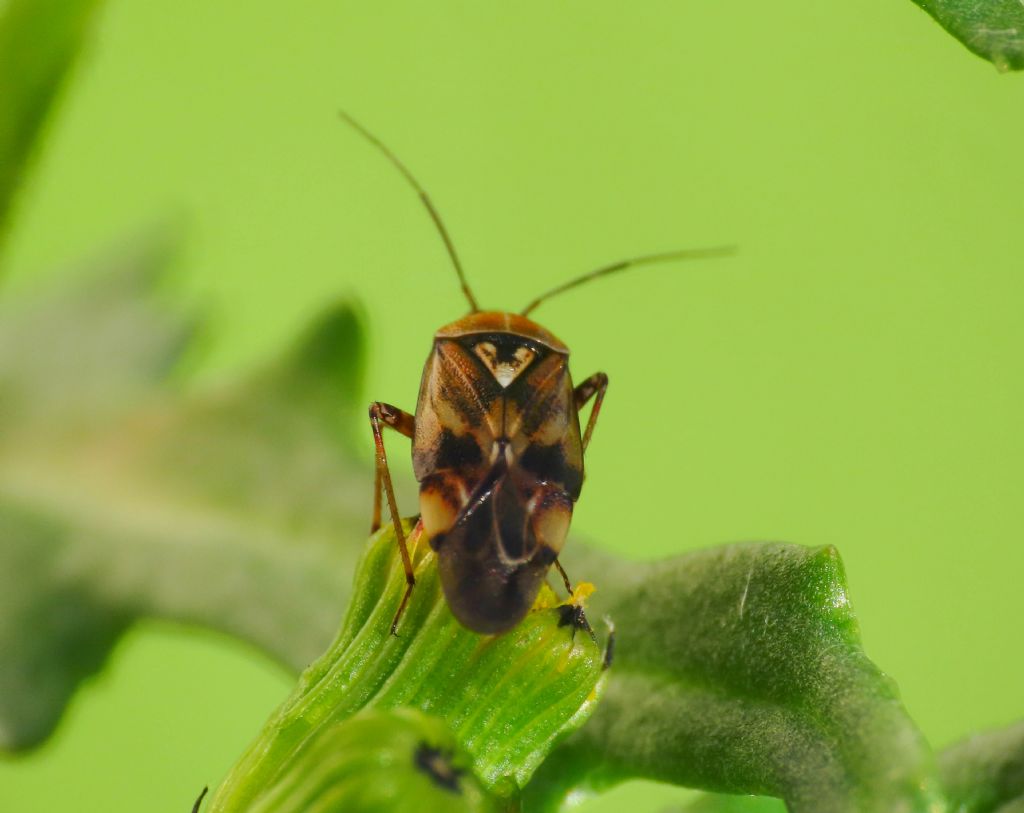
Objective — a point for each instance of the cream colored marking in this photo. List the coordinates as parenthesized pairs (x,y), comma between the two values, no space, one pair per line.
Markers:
(504,372)
(551,526)
(437,514)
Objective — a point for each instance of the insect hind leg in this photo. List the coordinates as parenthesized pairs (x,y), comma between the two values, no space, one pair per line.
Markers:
(381,415)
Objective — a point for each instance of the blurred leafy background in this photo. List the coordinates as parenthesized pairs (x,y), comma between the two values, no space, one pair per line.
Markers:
(850,378)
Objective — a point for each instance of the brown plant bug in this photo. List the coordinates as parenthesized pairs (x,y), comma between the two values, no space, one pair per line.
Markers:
(496,447)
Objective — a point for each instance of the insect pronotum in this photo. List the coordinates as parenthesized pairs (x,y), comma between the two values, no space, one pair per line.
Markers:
(496,446)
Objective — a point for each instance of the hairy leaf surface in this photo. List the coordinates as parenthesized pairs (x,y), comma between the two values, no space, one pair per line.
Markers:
(985,773)
(739,669)
(993,29)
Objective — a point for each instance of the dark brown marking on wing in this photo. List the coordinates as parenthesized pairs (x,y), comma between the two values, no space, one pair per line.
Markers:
(543,398)
(457,451)
(551,464)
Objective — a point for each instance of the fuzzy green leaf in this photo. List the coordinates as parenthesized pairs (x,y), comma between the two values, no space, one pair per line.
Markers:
(240,508)
(39,42)
(985,773)
(993,29)
(507,699)
(740,670)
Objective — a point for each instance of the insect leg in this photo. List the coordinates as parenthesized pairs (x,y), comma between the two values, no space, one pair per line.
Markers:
(410,581)
(579,617)
(597,383)
(565,577)
(382,414)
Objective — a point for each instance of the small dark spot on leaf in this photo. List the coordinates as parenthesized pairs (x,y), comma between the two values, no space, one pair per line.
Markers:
(437,764)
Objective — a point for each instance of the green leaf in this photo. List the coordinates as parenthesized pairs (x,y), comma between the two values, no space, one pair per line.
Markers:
(91,348)
(993,29)
(740,670)
(720,803)
(985,773)
(239,508)
(378,761)
(39,42)
(507,699)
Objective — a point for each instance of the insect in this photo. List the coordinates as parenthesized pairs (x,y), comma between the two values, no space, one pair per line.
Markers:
(497,447)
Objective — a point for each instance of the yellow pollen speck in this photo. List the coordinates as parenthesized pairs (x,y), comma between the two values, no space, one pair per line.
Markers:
(580,593)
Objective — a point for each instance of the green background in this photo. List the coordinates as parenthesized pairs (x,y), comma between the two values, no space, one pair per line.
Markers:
(852,377)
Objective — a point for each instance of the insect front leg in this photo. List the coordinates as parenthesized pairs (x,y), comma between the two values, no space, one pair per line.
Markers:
(381,415)
(597,383)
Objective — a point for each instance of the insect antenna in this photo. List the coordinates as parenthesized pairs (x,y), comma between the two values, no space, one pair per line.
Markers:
(424,197)
(622,265)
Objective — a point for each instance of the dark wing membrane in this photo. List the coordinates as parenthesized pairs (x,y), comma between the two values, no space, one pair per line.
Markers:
(496,517)
(490,561)
(496,554)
